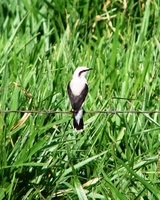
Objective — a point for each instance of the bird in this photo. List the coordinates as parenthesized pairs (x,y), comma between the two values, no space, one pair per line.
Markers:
(77,91)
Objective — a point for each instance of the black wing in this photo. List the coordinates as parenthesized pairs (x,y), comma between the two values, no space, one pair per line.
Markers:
(77,101)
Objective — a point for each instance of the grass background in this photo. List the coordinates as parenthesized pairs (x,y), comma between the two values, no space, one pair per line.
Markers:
(41,43)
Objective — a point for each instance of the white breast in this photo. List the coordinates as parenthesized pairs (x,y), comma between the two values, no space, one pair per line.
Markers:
(77,85)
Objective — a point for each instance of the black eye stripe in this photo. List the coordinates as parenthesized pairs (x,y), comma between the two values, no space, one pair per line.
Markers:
(85,70)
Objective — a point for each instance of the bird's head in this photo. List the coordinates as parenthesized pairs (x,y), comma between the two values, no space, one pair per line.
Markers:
(81,71)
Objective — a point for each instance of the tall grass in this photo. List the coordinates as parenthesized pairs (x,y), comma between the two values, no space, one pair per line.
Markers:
(41,43)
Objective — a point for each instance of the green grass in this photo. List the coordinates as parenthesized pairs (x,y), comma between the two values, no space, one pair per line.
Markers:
(116,157)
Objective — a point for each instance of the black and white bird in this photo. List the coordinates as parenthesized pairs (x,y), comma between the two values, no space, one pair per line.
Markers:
(77,92)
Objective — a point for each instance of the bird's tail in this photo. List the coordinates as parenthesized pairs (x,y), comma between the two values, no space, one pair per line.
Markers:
(78,120)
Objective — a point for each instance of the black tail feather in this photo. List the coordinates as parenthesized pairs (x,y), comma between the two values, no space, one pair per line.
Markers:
(78,125)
